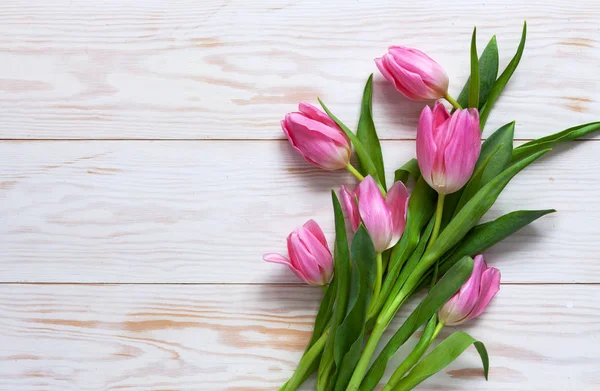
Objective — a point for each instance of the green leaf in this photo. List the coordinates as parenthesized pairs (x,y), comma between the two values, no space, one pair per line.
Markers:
(495,156)
(504,136)
(367,134)
(349,336)
(414,259)
(488,72)
(485,235)
(499,85)
(440,357)
(410,169)
(474,79)
(341,276)
(324,313)
(420,209)
(448,285)
(361,151)
(417,353)
(341,263)
(534,146)
(473,186)
(468,216)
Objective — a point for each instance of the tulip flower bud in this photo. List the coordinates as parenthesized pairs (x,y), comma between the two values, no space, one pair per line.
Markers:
(472,298)
(413,73)
(317,137)
(384,219)
(448,147)
(310,258)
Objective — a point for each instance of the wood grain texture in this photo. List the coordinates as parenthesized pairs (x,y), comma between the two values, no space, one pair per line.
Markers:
(232,69)
(115,211)
(152,214)
(151,338)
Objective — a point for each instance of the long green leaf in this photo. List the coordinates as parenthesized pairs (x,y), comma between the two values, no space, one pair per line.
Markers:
(439,295)
(410,169)
(503,136)
(474,79)
(417,353)
(485,235)
(367,134)
(342,263)
(361,151)
(495,156)
(440,357)
(488,72)
(324,313)
(534,146)
(414,259)
(468,216)
(473,186)
(342,276)
(499,85)
(349,336)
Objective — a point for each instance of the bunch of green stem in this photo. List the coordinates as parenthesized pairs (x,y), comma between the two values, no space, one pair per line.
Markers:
(429,335)
(394,303)
(382,309)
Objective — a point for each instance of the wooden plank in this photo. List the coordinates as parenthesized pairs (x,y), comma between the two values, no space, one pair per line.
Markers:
(249,337)
(232,69)
(109,211)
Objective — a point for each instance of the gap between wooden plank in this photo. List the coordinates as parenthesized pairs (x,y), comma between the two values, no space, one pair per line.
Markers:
(273,284)
(20,140)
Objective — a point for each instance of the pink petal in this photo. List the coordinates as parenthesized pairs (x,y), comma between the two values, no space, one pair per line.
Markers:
(440,115)
(332,133)
(374,213)
(303,260)
(426,148)
(315,146)
(350,207)
(381,65)
(315,114)
(449,313)
(316,230)
(490,285)
(409,83)
(462,151)
(277,258)
(468,295)
(315,247)
(415,61)
(396,200)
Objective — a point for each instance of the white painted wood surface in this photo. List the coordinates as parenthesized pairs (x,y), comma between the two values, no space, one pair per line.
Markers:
(206,211)
(247,337)
(142,175)
(230,69)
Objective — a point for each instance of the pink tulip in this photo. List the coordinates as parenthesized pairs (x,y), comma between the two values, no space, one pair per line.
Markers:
(448,147)
(472,298)
(317,137)
(384,219)
(413,73)
(310,258)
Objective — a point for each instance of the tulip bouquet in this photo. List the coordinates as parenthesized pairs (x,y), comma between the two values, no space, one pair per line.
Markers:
(390,242)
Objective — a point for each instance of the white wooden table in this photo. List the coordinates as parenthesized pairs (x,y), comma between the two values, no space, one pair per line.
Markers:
(143,173)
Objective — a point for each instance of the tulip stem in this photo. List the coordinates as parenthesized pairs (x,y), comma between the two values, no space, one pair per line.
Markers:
(439,212)
(378,278)
(453,102)
(307,360)
(360,177)
(414,357)
(354,172)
